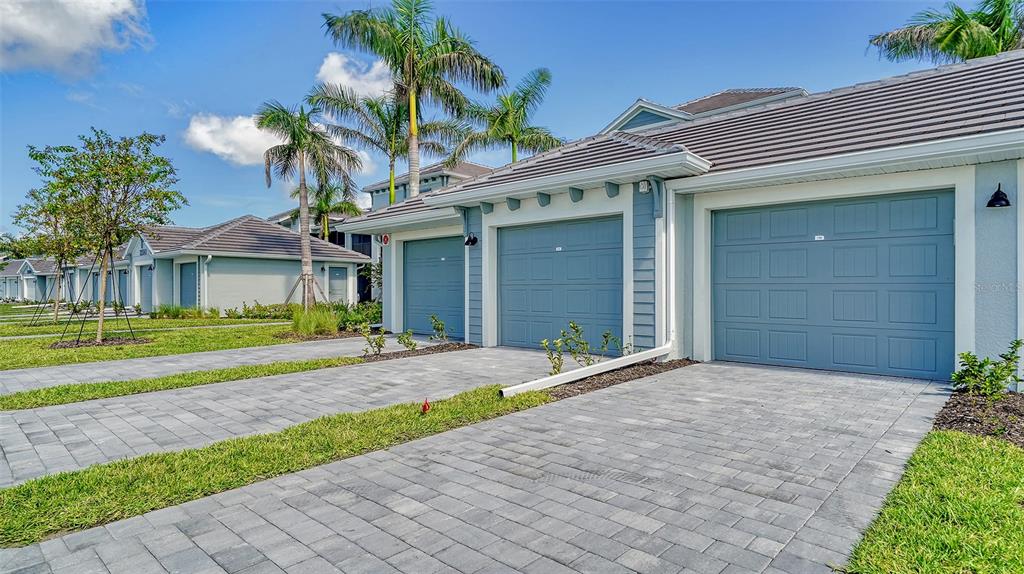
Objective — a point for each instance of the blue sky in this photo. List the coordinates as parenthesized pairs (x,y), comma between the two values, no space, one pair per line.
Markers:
(194,71)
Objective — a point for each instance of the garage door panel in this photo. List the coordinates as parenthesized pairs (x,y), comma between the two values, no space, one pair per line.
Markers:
(580,280)
(880,299)
(434,284)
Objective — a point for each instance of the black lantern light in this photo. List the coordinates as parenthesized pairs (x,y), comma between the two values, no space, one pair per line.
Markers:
(471,240)
(998,198)
(322,268)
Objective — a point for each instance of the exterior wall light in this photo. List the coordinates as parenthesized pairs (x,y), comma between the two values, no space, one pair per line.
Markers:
(471,240)
(998,198)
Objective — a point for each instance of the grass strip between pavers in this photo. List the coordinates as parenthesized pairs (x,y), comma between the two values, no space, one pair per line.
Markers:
(77,392)
(27,353)
(81,499)
(958,508)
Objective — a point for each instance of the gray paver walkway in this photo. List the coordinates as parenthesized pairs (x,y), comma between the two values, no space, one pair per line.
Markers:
(713,468)
(24,379)
(52,439)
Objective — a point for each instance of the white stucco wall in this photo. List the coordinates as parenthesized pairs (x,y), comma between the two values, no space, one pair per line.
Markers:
(232,280)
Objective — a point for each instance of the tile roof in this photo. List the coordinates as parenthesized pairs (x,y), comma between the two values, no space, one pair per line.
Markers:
(246,234)
(43,266)
(12,268)
(730,98)
(977,97)
(466,169)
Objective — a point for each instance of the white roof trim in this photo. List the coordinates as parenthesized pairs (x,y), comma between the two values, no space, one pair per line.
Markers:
(247,255)
(645,105)
(677,164)
(397,221)
(985,147)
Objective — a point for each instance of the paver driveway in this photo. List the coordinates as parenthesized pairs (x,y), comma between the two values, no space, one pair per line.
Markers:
(712,468)
(12,381)
(46,440)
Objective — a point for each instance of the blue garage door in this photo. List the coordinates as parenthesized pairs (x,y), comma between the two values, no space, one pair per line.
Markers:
(187,285)
(553,273)
(863,285)
(434,284)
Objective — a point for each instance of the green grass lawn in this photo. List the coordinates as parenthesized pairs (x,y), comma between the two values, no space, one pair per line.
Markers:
(9,309)
(77,500)
(65,394)
(24,353)
(959,508)
(47,326)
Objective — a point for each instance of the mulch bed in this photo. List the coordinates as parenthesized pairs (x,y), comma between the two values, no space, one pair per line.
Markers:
(1002,418)
(442,348)
(616,377)
(302,338)
(111,342)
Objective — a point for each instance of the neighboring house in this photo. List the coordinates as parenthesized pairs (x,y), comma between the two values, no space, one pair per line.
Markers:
(10,280)
(432,177)
(246,259)
(857,229)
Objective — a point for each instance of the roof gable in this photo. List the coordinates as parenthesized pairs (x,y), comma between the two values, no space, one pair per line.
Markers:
(644,114)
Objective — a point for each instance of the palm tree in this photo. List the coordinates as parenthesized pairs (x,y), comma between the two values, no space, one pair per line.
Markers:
(427,57)
(956,34)
(329,199)
(306,148)
(380,123)
(507,122)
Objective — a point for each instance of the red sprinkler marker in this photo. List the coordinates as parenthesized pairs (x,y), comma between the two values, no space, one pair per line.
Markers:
(425,407)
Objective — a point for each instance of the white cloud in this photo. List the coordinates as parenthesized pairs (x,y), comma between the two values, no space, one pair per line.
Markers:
(236,139)
(369,164)
(66,36)
(373,80)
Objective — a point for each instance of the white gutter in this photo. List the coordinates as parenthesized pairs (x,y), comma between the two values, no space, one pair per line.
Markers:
(668,268)
(246,255)
(689,163)
(906,157)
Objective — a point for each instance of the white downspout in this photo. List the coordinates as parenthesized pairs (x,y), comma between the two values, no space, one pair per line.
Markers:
(667,267)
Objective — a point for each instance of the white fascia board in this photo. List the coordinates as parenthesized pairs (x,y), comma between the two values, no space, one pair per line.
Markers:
(684,161)
(386,224)
(248,255)
(908,157)
(641,104)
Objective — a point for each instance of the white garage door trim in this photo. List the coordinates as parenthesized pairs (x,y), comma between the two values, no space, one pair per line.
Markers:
(960,179)
(595,203)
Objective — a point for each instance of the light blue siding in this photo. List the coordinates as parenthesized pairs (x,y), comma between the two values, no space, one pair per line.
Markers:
(380,200)
(42,294)
(163,282)
(434,284)
(643,118)
(553,273)
(996,293)
(644,258)
(475,330)
(122,287)
(861,285)
(187,285)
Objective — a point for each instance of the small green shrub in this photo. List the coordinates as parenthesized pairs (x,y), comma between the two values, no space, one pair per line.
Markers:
(374,341)
(610,341)
(166,311)
(407,341)
(987,377)
(319,320)
(577,345)
(232,313)
(555,354)
(138,309)
(440,333)
(350,317)
(275,311)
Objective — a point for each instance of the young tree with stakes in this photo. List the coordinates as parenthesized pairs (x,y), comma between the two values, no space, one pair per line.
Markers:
(50,216)
(121,186)
(306,147)
(427,57)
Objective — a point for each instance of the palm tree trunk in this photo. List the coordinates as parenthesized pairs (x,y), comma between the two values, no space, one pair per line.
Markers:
(102,298)
(414,148)
(307,256)
(391,181)
(515,151)
(323,226)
